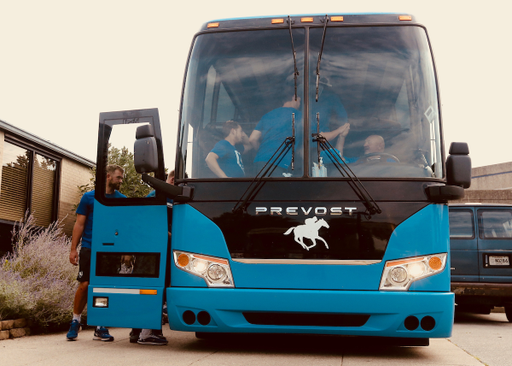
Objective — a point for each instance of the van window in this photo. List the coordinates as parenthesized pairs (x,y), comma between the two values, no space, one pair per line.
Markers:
(495,224)
(461,224)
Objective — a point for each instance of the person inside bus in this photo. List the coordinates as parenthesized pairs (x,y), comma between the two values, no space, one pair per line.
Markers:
(225,159)
(331,111)
(275,126)
(272,130)
(373,145)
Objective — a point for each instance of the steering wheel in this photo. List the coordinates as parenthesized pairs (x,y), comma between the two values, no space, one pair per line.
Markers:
(385,155)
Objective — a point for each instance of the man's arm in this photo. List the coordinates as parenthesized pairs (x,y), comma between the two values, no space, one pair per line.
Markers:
(330,135)
(337,132)
(213,164)
(343,132)
(246,142)
(78,230)
(255,138)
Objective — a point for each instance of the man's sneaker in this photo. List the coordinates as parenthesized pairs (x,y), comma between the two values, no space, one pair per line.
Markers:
(73,330)
(165,316)
(102,334)
(153,340)
(158,333)
(134,335)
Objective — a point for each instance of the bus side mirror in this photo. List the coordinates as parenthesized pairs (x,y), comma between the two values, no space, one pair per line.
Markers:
(458,165)
(145,152)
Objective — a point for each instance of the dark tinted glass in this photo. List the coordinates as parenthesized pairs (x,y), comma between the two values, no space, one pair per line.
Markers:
(128,264)
(495,224)
(461,224)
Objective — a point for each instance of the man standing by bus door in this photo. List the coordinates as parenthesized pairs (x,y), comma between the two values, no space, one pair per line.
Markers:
(83,230)
(153,337)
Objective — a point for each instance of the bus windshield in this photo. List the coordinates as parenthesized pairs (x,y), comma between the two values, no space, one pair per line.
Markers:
(375,104)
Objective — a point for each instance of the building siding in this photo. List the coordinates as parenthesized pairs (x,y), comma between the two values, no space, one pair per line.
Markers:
(73,175)
(1,152)
(74,171)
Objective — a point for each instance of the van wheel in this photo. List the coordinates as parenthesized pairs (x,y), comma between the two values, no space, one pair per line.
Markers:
(508,312)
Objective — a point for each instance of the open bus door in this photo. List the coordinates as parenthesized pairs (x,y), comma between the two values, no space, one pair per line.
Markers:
(130,235)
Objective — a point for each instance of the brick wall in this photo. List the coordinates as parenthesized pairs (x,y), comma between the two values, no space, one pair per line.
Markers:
(73,175)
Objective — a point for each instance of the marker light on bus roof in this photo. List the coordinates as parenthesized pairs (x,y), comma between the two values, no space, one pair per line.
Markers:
(399,274)
(306,20)
(337,18)
(405,18)
(213,25)
(215,271)
(278,21)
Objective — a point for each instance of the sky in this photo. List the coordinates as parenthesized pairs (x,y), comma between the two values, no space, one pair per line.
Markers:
(64,62)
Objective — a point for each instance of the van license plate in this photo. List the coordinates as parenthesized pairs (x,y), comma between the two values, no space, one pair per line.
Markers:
(495,260)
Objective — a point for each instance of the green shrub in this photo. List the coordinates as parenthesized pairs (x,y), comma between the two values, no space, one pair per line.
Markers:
(37,281)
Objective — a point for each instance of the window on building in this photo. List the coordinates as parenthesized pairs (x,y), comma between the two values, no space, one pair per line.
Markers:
(43,189)
(28,183)
(13,193)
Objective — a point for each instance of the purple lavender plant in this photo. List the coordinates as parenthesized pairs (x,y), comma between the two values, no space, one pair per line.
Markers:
(36,279)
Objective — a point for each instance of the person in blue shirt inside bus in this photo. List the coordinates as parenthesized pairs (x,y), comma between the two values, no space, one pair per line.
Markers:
(83,230)
(225,159)
(275,126)
(331,111)
(272,129)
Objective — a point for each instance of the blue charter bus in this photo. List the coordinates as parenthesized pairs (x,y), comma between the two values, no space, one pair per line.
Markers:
(311,188)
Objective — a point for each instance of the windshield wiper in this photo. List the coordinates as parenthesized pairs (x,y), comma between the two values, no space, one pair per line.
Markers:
(295,70)
(267,170)
(371,206)
(326,19)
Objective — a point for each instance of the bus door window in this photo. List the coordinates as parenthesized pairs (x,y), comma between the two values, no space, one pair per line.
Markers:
(120,152)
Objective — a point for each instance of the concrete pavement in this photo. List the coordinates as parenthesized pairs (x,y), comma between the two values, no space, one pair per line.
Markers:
(185,349)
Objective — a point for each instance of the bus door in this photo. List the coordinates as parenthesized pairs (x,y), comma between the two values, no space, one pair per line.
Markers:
(130,231)
(463,245)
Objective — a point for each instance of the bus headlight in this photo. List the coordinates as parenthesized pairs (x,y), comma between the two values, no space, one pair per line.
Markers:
(399,274)
(215,271)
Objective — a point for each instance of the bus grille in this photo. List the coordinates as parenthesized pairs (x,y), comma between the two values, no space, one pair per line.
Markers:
(307,319)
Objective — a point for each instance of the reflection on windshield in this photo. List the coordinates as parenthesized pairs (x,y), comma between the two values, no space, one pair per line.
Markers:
(377,92)
(377,103)
(239,103)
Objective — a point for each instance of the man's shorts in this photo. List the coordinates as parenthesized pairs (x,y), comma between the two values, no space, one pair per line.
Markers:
(84,265)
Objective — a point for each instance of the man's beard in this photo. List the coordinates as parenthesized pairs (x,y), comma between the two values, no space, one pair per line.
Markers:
(114,186)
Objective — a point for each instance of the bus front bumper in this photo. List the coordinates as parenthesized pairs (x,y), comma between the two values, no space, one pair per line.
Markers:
(358,313)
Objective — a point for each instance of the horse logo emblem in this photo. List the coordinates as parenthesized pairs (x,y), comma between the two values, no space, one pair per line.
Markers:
(309,230)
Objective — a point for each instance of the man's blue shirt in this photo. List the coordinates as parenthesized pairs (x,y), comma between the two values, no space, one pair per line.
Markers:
(327,105)
(275,127)
(86,208)
(230,159)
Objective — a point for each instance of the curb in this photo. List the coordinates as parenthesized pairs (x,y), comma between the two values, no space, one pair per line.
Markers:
(14,328)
